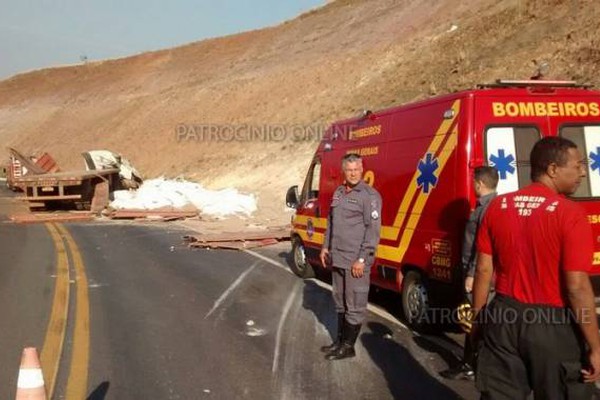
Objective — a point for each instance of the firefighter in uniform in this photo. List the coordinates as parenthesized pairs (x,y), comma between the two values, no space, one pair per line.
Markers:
(349,248)
(485,181)
(540,331)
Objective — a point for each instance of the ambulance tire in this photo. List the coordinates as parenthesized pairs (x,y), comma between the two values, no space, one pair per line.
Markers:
(300,264)
(415,299)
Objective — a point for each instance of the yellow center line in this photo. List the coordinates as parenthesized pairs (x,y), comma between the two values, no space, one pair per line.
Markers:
(78,374)
(55,333)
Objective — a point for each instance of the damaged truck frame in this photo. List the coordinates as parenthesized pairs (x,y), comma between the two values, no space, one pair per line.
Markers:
(83,189)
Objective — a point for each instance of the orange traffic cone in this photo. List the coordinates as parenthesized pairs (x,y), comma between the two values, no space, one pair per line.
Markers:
(31,381)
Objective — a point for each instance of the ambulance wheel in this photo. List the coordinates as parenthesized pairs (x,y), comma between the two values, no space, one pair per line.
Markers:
(415,299)
(300,264)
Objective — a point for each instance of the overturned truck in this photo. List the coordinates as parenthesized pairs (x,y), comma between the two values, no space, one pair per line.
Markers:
(88,189)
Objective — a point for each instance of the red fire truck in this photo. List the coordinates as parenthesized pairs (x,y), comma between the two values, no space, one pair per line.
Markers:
(421,157)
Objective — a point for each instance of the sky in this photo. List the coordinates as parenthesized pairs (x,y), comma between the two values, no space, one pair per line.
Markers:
(44,33)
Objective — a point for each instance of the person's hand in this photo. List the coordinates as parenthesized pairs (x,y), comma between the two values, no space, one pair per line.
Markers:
(592,372)
(358,269)
(469,284)
(324,256)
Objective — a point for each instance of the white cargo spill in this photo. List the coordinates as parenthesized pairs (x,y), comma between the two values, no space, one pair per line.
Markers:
(157,193)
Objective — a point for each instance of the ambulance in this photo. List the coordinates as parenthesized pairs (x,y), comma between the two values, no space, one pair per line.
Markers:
(421,158)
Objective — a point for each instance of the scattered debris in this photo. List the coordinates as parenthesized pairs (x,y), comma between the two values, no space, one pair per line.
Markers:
(27,218)
(253,332)
(239,241)
(129,177)
(100,198)
(151,215)
(20,165)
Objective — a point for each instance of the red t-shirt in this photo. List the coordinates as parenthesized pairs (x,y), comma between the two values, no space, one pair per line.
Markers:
(533,235)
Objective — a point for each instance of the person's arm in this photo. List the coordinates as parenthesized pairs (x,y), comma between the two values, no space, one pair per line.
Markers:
(468,256)
(484,270)
(483,280)
(468,249)
(479,214)
(581,300)
(577,250)
(481,290)
(324,254)
(327,235)
(372,220)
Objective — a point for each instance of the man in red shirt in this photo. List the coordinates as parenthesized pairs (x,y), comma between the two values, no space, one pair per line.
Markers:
(540,332)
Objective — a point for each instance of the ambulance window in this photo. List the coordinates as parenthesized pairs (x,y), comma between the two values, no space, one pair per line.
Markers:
(311,186)
(507,149)
(587,139)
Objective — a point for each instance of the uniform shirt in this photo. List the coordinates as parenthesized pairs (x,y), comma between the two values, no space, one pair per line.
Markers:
(469,252)
(353,225)
(534,235)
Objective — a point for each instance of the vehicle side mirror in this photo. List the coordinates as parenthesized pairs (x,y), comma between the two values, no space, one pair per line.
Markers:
(292,198)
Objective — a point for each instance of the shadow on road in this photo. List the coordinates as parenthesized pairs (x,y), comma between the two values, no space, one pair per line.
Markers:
(433,338)
(318,301)
(405,376)
(321,274)
(442,346)
(100,392)
(287,256)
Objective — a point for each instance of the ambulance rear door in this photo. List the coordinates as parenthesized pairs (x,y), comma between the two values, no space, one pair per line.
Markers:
(582,126)
(505,140)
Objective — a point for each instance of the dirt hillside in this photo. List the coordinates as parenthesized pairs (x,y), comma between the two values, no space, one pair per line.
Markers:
(329,63)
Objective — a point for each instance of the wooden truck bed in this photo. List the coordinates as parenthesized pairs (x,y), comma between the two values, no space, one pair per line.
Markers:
(68,185)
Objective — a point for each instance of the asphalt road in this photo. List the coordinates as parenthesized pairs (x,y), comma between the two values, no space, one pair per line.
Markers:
(149,318)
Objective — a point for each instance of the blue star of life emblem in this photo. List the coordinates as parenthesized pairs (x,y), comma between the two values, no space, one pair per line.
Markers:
(503,163)
(595,157)
(427,167)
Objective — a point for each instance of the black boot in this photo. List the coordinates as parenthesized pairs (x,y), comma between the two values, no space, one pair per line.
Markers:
(346,350)
(463,371)
(340,334)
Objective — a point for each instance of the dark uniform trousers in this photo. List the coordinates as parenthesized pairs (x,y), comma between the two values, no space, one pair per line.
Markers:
(530,347)
(350,294)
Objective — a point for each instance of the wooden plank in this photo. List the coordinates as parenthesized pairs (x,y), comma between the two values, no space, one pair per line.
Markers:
(44,198)
(68,175)
(58,217)
(100,199)
(234,245)
(281,233)
(133,214)
(220,245)
(30,165)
